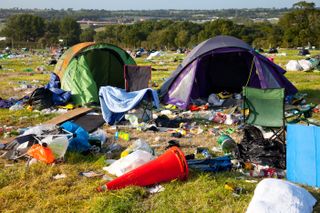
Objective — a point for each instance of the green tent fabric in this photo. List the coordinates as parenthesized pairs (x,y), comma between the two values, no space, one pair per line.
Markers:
(87,66)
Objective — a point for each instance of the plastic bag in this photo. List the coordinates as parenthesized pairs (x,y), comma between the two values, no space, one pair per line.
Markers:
(137,145)
(214,100)
(58,145)
(79,143)
(129,162)
(274,195)
(133,119)
(38,130)
(41,153)
(99,135)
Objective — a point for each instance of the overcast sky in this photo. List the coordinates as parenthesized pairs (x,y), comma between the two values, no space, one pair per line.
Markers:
(147,4)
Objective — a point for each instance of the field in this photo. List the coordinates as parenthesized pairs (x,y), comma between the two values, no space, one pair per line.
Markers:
(34,190)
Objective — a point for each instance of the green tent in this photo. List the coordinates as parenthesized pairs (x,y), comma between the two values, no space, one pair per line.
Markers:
(85,67)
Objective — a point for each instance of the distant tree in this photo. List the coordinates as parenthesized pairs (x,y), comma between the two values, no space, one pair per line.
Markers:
(300,28)
(182,38)
(87,34)
(304,5)
(52,33)
(70,31)
(24,27)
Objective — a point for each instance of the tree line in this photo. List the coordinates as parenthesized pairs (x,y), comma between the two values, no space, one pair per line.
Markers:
(299,27)
(153,14)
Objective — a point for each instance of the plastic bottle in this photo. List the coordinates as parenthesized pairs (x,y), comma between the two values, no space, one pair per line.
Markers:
(123,135)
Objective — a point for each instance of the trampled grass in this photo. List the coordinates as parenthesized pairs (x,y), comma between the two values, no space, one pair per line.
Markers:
(34,189)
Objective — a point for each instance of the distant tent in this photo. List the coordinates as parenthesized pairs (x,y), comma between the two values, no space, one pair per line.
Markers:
(223,63)
(85,67)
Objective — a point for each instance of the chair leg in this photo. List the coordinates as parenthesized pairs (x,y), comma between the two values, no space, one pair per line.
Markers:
(277,135)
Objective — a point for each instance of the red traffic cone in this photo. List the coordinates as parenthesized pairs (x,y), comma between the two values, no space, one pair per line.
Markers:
(171,165)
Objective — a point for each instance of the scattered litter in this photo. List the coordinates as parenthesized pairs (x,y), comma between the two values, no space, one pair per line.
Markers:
(59,176)
(251,181)
(122,135)
(155,189)
(91,174)
(138,145)
(107,178)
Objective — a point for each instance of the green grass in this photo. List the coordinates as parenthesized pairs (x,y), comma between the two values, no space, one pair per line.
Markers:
(34,190)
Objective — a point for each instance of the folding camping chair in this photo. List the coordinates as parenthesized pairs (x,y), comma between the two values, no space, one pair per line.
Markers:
(137,78)
(266,109)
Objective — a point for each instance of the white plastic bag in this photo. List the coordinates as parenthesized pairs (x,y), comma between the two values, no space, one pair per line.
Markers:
(215,100)
(99,134)
(274,195)
(128,163)
(293,65)
(38,130)
(58,145)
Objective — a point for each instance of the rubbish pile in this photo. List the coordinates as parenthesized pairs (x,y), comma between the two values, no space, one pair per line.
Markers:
(306,65)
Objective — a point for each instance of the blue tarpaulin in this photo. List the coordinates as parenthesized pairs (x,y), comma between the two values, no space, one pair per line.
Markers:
(303,154)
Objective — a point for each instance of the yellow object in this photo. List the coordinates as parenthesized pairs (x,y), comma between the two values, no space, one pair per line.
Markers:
(224,95)
(182,132)
(68,106)
(246,112)
(229,186)
(123,135)
(170,106)
(124,153)
(29,108)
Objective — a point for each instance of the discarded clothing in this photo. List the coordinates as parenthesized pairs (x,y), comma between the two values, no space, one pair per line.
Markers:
(165,121)
(218,164)
(7,103)
(274,195)
(59,96)
(115,102)
(256,149)
(80,140)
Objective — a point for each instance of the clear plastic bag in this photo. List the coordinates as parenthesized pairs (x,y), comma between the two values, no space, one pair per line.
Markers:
(129,162)
(138,145)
